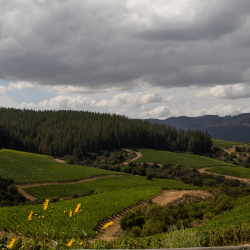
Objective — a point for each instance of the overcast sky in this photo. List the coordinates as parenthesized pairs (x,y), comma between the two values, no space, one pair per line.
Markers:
(140,58)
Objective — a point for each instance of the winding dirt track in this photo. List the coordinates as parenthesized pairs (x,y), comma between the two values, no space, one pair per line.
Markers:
(138,155)
(20,187)
(32,198)
(203,171)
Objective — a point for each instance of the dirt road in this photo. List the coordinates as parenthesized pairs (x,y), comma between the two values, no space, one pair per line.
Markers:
(138,155)
(20,187)
(203,170)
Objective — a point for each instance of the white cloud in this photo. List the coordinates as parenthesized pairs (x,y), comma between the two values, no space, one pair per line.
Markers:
(20,85)
(66,89)
(167,98)
(62,102)
(230,91)
(158,112)
(117,111)
(220,110)
(2,90)
(131,100)
(144,108)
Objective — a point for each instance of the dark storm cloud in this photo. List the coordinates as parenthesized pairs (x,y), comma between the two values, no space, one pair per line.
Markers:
(100,45)
(213,20)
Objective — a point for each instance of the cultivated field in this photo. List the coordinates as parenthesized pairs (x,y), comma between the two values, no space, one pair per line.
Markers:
(227,144)
(25,167)
(234,171)
(95,208)
(188,160)
(103,185)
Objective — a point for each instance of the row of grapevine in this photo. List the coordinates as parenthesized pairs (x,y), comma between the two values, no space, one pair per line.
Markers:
(102,185)
(25,167)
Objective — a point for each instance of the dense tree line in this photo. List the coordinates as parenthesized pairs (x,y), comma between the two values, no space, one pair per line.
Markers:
(78,132)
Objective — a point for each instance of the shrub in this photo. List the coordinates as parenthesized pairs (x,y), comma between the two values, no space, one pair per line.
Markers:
(149,176)
(12,189)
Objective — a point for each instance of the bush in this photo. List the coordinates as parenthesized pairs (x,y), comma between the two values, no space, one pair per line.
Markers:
(53,199)
(149,176)
(142,171)
(136,231)
(12,189)
(127,169)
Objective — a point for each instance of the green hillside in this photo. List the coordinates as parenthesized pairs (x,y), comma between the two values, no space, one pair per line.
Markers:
(25,167)
(103,185)
(229,170)
(188,160)
(227,144)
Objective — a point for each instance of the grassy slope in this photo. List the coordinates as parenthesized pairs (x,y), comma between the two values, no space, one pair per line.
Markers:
(234,171)
(189,160)
(104,185)
(128,191)
(227,144)
(230,218)
(28,168)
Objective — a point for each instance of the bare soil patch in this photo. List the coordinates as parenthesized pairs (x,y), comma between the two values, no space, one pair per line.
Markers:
(58,160)
(162,199)
(203,171)
(20,187)
(229,150)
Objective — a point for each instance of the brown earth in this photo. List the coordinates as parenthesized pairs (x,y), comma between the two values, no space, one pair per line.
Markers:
(162,199)
(229,150)
(58,160)
(20,187)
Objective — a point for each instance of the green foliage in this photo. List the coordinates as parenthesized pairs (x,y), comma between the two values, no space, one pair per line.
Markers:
(105,204)
(127,169)
(227,144)
(149,176)
(233,171)
(102,185)
(78,133)
(189,160)
(25,167)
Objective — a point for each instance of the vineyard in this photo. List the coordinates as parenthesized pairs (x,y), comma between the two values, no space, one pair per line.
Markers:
(233,171)
(57,215)
(102,198)
(25,167)
(188,160)
(227,144)
(103,185)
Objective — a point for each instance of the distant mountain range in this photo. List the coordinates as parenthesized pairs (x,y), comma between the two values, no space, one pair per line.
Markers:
(230,128)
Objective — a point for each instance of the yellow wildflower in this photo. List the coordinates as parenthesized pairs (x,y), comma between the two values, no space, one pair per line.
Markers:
(80,243)
(30,216)
(70,213)
(71,242)
(11,243)
(78,208)
(107,225)
(45,204)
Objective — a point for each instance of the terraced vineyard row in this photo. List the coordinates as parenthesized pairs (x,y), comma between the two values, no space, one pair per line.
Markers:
(229,170)
(56,218)
(227,144)
(188,160)
(31,168)
(102,185)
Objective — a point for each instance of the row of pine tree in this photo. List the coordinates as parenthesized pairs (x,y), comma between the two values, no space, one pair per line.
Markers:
(67,132)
